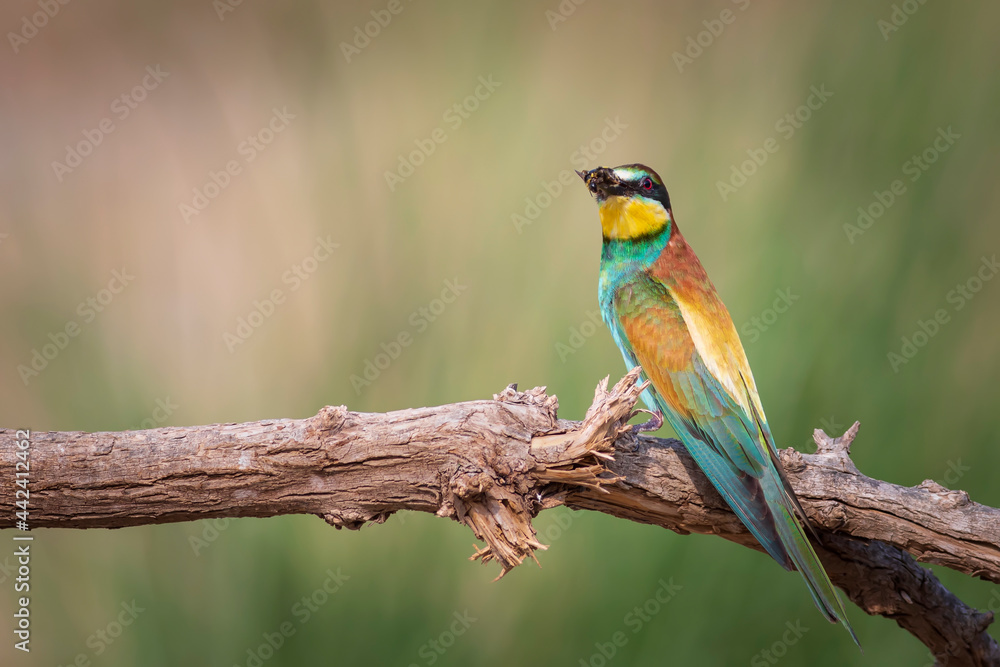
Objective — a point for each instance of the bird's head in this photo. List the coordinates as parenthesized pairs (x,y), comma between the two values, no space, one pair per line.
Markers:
(632,201)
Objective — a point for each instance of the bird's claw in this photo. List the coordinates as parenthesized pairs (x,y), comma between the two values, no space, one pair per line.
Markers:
(654,423)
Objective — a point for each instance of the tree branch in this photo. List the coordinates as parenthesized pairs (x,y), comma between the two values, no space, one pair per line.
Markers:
(493,465)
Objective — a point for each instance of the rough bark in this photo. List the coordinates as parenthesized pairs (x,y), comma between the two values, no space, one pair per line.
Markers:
(493,465)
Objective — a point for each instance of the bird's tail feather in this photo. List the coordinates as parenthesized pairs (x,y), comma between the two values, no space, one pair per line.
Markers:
(762,504)
(800,551)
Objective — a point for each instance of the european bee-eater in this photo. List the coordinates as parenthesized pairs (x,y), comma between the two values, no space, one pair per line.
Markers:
(666,316)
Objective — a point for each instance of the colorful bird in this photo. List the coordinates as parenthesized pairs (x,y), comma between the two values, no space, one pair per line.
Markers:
(665,316)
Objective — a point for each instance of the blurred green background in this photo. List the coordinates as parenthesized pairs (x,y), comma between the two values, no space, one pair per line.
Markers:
(210,594)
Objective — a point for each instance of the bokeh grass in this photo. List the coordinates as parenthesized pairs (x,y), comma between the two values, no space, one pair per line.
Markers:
(822,363)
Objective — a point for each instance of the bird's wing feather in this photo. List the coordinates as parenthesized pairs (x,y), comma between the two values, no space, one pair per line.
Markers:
(689,349)
(662,340)
(713,426)
(719,346)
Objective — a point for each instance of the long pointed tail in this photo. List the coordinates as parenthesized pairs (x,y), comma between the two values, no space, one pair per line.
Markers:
(793,538)
(767,509)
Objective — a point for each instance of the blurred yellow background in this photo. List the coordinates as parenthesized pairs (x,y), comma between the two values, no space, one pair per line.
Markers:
(167,167)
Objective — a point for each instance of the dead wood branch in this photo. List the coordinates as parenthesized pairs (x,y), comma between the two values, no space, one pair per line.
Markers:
(493,465)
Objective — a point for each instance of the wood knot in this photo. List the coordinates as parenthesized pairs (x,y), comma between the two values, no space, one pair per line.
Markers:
(332,418)
(792,461)
(509,394)
(945,496)
(536,397)
(829,515)
(352,519)
(469,485)
(982,620)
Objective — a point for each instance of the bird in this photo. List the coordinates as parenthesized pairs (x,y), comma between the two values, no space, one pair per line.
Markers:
(665,315)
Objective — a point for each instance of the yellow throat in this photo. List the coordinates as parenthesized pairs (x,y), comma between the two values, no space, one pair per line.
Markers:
(625,218)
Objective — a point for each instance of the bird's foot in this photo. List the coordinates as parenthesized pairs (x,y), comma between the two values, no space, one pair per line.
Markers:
(655,423)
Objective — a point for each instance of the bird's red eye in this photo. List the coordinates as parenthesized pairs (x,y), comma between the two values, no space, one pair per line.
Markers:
(647,183)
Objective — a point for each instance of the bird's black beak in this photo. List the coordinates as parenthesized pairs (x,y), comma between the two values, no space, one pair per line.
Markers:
(602,182)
